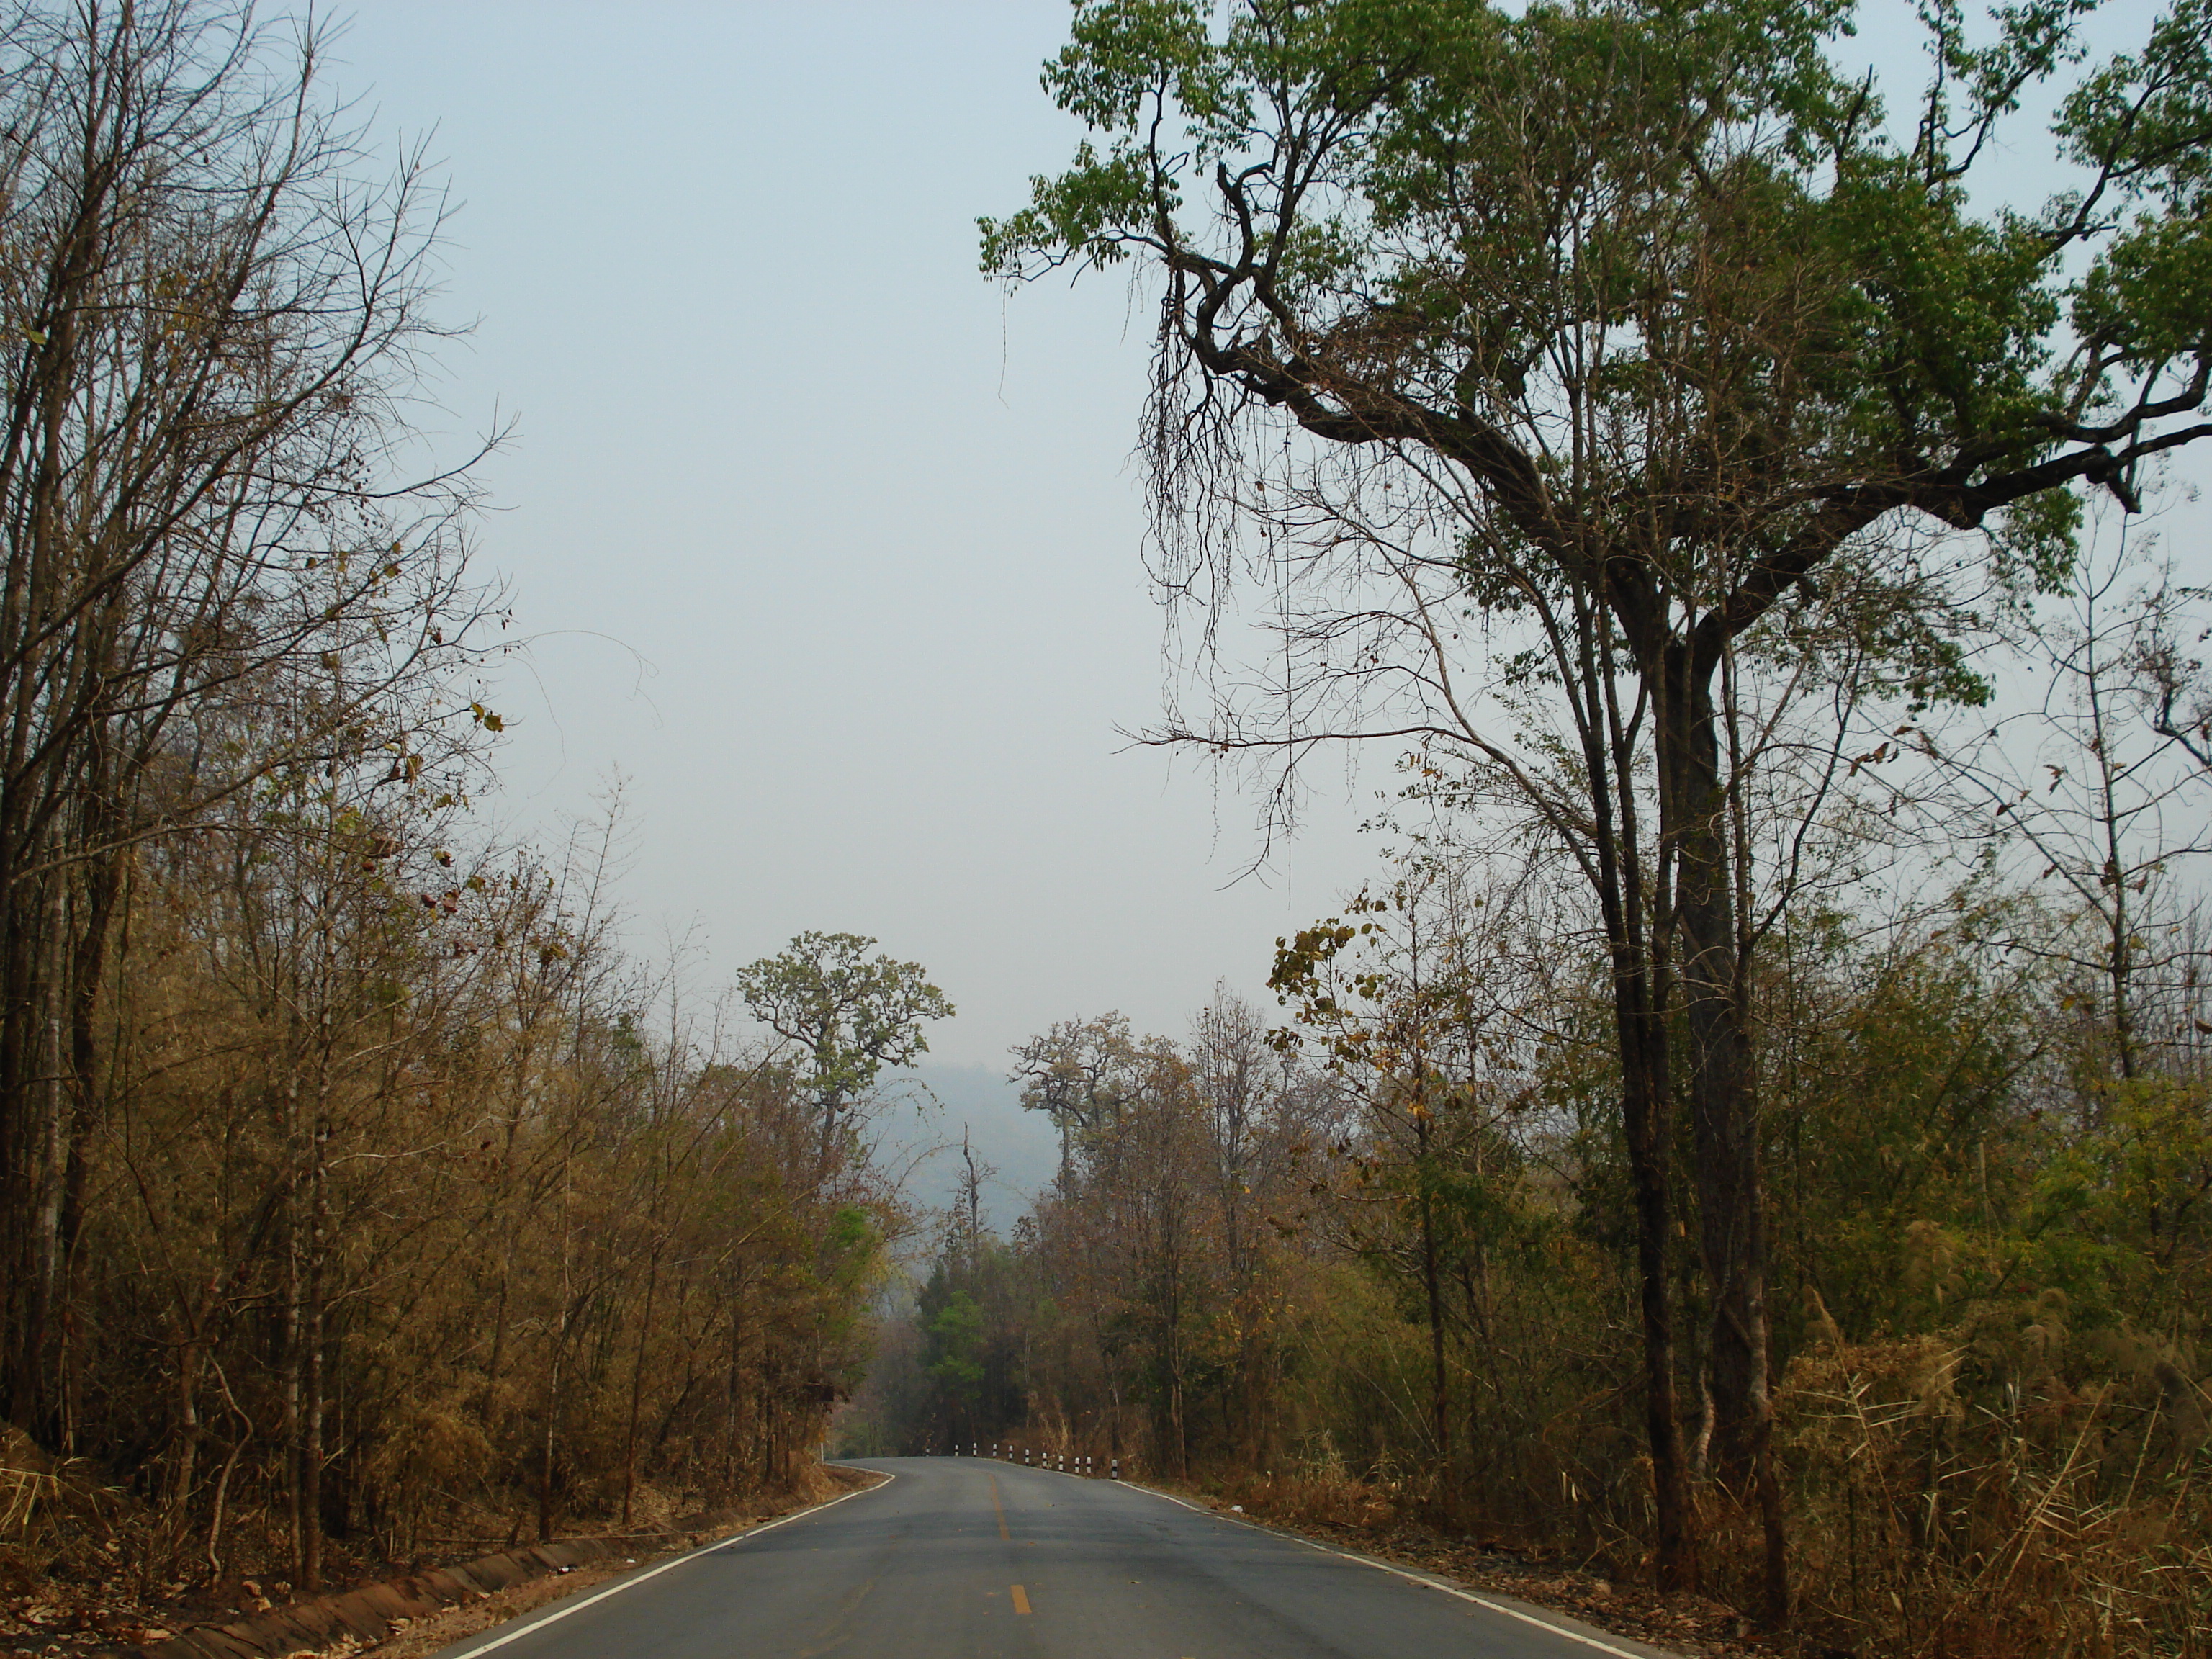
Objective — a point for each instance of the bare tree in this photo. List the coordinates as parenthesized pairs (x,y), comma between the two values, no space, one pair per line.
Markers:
(2094,780)
(212,318)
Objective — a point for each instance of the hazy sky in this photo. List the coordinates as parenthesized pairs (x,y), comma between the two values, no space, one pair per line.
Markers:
(834,549)
(831,549)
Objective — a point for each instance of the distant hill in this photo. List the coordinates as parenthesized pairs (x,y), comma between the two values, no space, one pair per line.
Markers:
(1023,1144)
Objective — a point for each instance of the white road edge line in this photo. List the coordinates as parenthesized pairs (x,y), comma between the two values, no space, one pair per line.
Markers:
(637,1578)
(1410,1577)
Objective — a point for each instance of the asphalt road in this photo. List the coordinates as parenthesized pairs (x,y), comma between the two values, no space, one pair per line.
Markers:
(963,1558)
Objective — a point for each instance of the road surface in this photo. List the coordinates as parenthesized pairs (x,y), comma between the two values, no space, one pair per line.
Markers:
(968,1558)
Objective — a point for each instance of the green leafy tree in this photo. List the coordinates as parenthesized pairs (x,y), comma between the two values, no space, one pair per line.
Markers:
(850,1015)
(1647,329)
(956,1361)
(1080,1074)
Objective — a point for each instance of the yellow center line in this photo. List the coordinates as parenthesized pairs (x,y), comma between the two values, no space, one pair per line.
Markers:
(1021,1599)
(996,1505)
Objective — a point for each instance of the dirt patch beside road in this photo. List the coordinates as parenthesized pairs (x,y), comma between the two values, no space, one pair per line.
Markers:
(421,1637)
(1694,1626)
(419,1614)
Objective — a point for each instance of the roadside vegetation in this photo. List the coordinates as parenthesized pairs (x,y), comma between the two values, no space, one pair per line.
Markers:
(1751,1138)
(1754,1134)
(361,1202)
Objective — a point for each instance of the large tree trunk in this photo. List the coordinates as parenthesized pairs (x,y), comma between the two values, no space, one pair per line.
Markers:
(1723,1094)
(1646,1118)
(103,884)
(1636,925)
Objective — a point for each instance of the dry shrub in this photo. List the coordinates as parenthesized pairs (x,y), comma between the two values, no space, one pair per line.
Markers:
(2000,1488)
(431,1456)
(1320,1488)
(29,1488)
(49,1503)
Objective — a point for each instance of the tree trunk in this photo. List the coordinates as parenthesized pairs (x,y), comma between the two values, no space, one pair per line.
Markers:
(545,1443)
(88,962)
(1724,1103)
(294,1452)
(833,1102)
(1432,1284)
(39,1087)
(732,1463)
(18,1161)
(184,1472)
(1644,1119)
(637,1391)
(311,1436)
(1636,920)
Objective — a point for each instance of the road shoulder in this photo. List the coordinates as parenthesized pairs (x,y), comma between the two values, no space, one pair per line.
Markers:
(372,1620)
(1589,1609)
(457,1625)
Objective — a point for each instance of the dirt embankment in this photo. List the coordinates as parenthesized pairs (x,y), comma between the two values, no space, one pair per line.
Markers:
(1694,1626)
(405,1617)
(421,1637)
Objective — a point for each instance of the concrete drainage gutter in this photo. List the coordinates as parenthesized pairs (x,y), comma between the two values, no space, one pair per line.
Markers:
(372,1613)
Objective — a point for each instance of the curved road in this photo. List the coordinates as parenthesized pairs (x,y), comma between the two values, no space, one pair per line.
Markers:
(962,1559)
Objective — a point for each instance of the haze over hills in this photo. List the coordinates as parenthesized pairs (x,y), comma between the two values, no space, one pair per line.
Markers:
(924,1138)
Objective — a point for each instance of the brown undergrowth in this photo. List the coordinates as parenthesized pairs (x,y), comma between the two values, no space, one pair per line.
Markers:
(86,1568)
(817,1483)
(1368,1519)
(2003,1486)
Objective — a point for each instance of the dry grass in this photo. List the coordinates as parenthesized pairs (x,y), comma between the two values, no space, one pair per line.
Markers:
(1999,1489)
(427,1636)
(84,1568)
(1327,1496)
(1380,1519)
